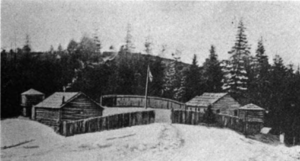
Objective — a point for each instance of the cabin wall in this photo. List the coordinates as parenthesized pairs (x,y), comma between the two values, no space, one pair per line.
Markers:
(226,105)
(80,108)
(47,116)
(252,115)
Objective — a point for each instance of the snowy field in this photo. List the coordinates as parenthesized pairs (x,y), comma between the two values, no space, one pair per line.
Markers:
(29,140)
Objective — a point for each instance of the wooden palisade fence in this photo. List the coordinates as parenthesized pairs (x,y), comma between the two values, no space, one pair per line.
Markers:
(69,128)
(232,122)
(139,101)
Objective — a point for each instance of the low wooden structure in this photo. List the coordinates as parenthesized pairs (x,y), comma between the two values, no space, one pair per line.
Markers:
(251,113)
(66,106)
(69,128)
(222,120)
(221,103)
(139,101)
(30,98)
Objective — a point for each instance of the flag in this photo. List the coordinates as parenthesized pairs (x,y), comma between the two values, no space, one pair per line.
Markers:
(150,75)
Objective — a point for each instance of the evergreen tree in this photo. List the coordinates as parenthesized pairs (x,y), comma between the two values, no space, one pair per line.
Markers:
(209,116)
(260,87)
(59,48)
(278,81)
(98,47)
(148,46)
(27,46)
(129,47)
(212,72)
(51,49)
(236,76)
(173,78)
(193,80)
(72,46)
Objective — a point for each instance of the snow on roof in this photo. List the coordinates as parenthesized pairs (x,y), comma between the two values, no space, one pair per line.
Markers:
(32,92)
(205,99)
(251,107)
(56,99)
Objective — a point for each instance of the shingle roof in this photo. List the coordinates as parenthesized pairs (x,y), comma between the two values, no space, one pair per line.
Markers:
(251,107)
(205,99)
(32,92)
(55,100)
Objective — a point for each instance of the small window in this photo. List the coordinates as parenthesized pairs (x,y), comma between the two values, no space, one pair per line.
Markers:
(218,111)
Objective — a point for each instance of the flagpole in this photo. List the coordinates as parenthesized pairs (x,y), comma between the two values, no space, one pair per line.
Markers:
(146,92)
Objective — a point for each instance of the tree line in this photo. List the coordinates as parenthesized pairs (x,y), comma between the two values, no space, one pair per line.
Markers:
(82,66)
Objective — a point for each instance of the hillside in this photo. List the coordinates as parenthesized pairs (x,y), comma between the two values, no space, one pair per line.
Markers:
(159,141)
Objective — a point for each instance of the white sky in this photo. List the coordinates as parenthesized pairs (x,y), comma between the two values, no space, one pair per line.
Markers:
(188,26)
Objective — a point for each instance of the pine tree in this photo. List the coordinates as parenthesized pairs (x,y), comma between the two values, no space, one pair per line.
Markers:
(212,72)
(259,87)
(51,49)
(209,116)
(72,46)
(129,47)
(59,48)
(278,85)
(193,80)
(27,46)
(98,47)
(236,76)
(148,45)
(173,78)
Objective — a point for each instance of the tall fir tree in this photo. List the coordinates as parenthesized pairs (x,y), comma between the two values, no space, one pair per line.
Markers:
(236,76)
(27,47)
(212,72)
(278,85)
(193,80)
(173,78)
(260,86)
(129,46)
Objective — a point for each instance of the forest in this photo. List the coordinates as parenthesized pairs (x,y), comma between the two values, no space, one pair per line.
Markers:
(82,66)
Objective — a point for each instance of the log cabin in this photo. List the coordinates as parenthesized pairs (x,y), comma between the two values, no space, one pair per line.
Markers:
(65,106)
(30,98)
(251,113)
(221,103)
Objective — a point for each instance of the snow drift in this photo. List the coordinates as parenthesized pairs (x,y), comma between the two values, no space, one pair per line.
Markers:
(160,141)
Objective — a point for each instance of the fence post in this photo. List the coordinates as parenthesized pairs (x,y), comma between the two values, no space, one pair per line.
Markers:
(64,128)
(100,101)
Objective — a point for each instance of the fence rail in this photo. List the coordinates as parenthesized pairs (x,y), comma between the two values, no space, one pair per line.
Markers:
(69,128)
(232,122)
(139,101)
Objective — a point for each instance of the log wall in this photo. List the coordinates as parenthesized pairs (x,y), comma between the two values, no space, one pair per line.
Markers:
(231,122)
(47,116)
(139,101)
(80,108)
(69,128)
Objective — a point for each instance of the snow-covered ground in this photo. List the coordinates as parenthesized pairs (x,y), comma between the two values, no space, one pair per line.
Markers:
(159,141)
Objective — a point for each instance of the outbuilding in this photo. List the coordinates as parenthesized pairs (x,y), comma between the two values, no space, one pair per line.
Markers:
(220,102)
(66,106)
(30,98)
(251,113)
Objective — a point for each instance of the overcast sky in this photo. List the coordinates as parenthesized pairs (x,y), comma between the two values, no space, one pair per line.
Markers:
(190,27)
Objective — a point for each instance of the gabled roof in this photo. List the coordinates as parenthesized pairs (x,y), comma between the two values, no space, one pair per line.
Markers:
(32,92)
(251,107)
(56,99)
(205,99)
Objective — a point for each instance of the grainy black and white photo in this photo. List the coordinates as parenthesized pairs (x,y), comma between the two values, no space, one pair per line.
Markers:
(100,80)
